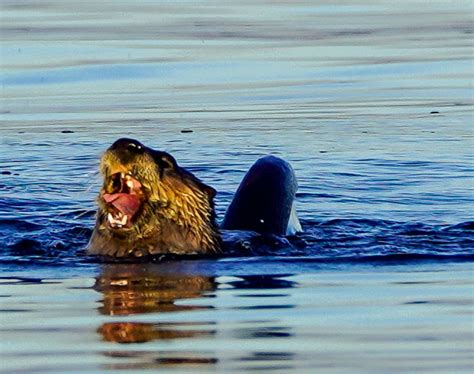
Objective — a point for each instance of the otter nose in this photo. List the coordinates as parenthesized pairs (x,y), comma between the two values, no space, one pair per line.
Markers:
(128,145)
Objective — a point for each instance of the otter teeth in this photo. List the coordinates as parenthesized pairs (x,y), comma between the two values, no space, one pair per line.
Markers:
(119,221)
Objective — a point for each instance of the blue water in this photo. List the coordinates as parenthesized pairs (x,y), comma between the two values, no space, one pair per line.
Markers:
(352,209)
(371,102)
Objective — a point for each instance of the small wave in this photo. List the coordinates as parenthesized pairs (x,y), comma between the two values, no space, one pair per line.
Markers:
(20,225)
(461,227)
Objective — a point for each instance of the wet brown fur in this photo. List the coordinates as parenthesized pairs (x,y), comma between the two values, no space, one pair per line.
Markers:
(177,215)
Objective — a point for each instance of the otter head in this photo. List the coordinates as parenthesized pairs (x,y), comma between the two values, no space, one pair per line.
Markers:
(148,205)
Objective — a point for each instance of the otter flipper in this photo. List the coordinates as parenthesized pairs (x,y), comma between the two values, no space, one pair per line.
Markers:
(264,201)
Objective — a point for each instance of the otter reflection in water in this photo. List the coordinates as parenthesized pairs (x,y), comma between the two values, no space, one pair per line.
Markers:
(133,289)
(130,289)
(149,205)
(161,289)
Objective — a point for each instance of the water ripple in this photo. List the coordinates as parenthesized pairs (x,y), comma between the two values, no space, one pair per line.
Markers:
(337,240)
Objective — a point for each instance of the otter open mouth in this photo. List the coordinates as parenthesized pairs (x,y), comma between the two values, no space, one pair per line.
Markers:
(124,198)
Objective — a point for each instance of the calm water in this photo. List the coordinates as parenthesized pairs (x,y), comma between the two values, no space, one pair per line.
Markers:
(370,101)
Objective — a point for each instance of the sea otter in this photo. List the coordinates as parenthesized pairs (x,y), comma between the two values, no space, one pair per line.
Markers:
(150,206)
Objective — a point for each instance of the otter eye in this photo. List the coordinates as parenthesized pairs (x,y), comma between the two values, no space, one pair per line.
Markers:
(132,147)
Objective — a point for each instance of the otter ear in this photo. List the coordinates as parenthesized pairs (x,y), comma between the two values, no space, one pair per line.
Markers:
(165,161)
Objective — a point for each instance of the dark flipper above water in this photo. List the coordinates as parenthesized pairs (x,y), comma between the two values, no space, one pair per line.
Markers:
(264,201)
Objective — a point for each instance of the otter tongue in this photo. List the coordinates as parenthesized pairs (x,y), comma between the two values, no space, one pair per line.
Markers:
(124,202)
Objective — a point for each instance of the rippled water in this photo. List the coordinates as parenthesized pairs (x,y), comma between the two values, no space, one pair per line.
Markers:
(371,102)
